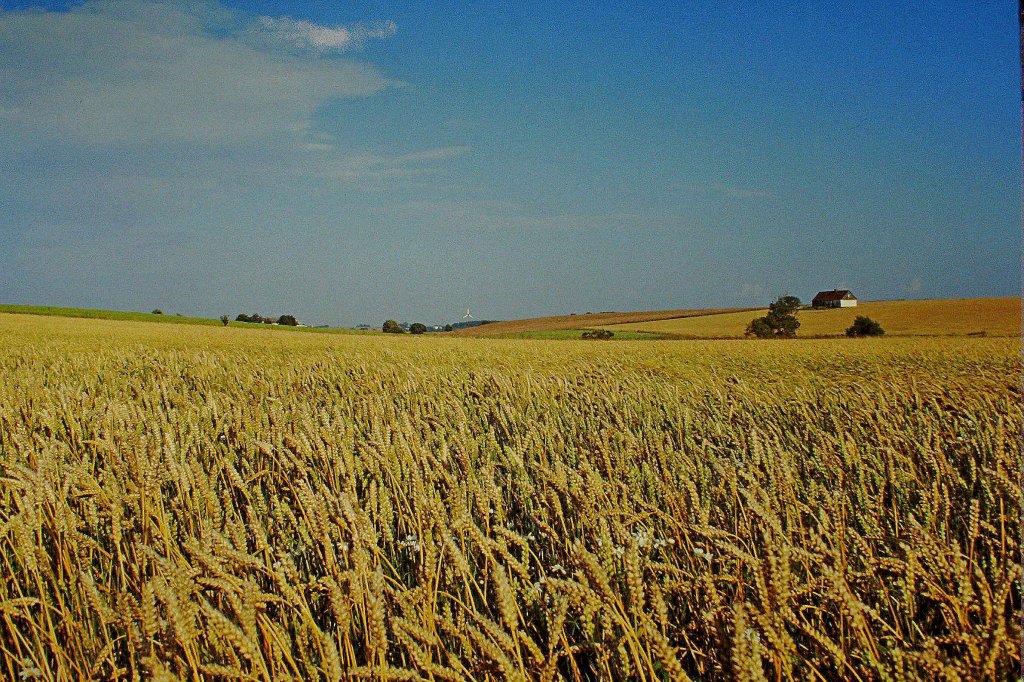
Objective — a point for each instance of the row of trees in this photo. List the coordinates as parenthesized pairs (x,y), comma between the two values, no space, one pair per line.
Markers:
(256,318)
(392,327)
(781,322)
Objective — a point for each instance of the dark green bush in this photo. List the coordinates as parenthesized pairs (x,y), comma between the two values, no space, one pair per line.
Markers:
(864,326)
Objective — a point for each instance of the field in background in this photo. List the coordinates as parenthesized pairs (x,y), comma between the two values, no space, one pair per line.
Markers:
(129,316)
(87,313)
(941,317)
(945,317)
(572,335)
(578,323)
(193,502)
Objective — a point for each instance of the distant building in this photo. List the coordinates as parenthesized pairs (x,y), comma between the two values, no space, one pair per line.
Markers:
(837,298)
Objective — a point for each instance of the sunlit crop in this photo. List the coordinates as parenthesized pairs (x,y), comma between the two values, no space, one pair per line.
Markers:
(939,317)
(217,503)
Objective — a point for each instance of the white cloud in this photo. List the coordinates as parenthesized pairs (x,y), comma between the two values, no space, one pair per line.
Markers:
(178,94)
(139,71)
(367,166)
(436,154)
(299,34)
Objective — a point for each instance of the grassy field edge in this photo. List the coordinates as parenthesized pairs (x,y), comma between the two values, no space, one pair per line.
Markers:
(159,318)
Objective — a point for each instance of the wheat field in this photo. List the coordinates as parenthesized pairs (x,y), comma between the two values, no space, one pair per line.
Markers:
(578,323)
(934,317)
(200,503)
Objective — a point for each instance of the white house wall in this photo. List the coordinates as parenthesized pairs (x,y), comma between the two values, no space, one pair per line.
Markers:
(848,304)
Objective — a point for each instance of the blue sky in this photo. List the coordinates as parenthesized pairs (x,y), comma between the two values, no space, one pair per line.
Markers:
(368,160)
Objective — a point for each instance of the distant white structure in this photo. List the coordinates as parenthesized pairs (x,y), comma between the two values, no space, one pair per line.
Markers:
(467,316)
(837,298)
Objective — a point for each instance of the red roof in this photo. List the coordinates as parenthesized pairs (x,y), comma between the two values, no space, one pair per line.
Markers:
(835,295)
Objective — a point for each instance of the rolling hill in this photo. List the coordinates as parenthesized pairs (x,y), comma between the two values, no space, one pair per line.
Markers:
(131,316)
(546,327)
(933,317)
(930,317)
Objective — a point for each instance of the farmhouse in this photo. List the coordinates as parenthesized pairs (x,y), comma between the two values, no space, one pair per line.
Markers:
(837,298)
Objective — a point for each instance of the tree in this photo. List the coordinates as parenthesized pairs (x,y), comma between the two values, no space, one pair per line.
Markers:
(780,322)
(760,328)
(448,328)
(288,320)
(224,319)
(598,334)
(392,327)
(864,326)
(784,305)
(417,328)
(255,318)
(784,325)
(157,311)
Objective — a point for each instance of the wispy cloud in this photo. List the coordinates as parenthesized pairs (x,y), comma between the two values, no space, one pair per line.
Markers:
(366,166)
(143,71)
(166,122)
(489,214)
(436,154)
(299,34)
(174,86)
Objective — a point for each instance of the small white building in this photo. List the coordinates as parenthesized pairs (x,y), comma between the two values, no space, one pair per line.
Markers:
(837,298)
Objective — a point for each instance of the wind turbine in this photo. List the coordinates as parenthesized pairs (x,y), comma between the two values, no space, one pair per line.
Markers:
(467,316)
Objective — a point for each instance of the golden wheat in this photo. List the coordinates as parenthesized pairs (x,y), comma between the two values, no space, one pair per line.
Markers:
(228,504)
